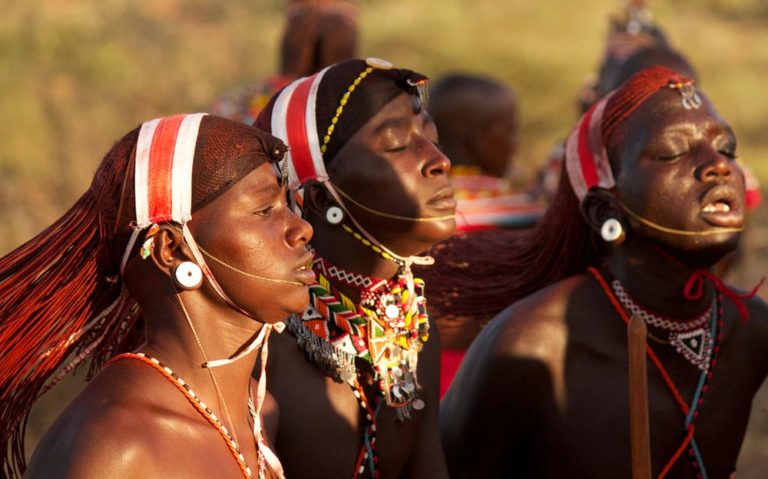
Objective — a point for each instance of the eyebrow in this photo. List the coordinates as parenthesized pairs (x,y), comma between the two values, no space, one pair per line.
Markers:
(266,190)
(399,122)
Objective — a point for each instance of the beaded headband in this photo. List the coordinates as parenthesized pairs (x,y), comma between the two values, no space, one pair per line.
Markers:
(586,159)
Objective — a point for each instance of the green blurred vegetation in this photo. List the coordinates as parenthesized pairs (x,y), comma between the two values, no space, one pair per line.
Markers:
(75,75)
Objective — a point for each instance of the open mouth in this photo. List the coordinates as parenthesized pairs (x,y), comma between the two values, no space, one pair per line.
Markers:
(722,208)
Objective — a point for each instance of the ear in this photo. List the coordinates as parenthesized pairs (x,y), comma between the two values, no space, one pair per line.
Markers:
(316,199)
(600,205)
(169,249)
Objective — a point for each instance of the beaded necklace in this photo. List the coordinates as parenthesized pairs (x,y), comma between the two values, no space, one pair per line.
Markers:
(387,329)
(205,411)
(691,411)
(692,339)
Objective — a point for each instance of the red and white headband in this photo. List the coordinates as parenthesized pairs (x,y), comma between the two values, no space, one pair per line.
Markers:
(163,175)
(294,122)
(585,156)
(165,152)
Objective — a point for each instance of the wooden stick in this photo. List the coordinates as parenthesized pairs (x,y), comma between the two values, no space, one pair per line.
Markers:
(639,427)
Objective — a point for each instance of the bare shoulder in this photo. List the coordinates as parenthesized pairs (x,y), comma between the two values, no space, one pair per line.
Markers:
(758,313)
(127,421)
(535,326)
(524,344)
(90,439)
(755,330)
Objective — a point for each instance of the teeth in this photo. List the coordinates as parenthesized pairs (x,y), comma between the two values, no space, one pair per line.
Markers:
(718,207)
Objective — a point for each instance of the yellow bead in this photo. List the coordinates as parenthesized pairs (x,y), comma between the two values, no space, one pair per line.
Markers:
(339,110)
(357,81)
(330,129)
(326,139)
(343,102)
(346,96)
(334,120)
(323,148)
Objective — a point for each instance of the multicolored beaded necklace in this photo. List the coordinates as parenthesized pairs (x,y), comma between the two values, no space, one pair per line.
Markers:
(387,329)
(691,411)
(205,411)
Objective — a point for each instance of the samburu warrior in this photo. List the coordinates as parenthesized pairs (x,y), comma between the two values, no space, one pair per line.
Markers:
(652,199)
(362,400)
(183,252)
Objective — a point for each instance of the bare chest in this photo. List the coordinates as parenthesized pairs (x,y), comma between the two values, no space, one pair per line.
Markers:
(322,424)
(591,426)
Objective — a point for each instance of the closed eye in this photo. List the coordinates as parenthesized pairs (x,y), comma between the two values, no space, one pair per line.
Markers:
(398,149)
(671,157)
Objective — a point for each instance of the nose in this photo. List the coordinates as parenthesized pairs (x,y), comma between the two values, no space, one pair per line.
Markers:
(717,166)
(298,231)
(438,164)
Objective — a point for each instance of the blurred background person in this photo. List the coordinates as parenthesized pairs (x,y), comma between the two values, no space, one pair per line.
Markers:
(317,34)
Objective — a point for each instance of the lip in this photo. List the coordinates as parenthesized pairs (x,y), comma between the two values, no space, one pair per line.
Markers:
(443,200)
(303,270)
(721,206)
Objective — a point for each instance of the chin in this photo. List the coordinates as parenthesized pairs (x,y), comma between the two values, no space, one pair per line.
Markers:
(298,302)
(705,252)
(437,231)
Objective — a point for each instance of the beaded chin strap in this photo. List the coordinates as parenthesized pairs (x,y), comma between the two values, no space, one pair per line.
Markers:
(165,153)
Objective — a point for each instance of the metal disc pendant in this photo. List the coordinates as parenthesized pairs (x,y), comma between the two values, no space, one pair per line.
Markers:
(418,404)
(392,311)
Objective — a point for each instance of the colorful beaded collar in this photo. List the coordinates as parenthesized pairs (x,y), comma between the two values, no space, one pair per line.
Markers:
(387,329)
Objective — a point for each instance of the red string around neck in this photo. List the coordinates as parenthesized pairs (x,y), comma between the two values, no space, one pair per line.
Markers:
(659,367)
(694,287)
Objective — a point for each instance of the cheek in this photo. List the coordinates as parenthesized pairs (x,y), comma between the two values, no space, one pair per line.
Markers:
(373,179)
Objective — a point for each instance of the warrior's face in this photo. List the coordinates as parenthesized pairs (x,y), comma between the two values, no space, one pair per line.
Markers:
(251,228)
(677,168)
(393,165)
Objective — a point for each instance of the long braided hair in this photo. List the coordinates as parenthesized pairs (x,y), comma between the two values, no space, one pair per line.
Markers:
(63,302)
(478,274)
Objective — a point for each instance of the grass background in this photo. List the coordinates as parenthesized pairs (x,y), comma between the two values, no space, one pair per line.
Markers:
(75,75)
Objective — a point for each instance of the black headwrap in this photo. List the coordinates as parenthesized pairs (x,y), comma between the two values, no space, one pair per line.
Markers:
(376,90)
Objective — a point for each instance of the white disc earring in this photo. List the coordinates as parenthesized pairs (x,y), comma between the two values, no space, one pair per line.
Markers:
(334,215)
(611,231)
(188,275)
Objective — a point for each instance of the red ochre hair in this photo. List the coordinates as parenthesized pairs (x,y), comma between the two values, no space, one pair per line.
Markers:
(62,300)
(478,274)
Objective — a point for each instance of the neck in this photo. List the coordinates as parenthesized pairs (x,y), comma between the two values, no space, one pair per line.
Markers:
(340,248)
(657,280)
(222,333)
